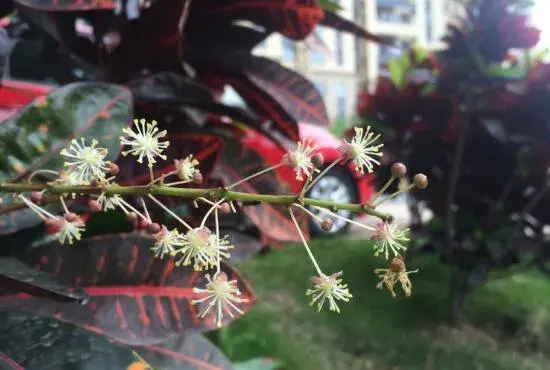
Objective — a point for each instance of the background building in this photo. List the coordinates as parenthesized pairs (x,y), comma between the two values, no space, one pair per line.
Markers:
(341,63)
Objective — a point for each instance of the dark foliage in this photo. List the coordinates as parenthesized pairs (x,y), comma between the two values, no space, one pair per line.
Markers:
(474,118)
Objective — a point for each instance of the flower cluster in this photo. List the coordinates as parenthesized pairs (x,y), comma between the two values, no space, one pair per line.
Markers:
(202,248)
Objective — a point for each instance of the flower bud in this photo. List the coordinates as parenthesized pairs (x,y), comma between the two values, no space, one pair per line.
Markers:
(327,224)
(317,160)
(94,205)
(36,196)
(420,181)
(153,228)
(113,169)
(225,208)
(71,217)
(197,178)
(52,225)
(398,170)
(144,224)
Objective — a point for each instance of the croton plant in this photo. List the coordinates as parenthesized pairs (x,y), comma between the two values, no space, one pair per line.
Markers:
(474,117)
(121,172)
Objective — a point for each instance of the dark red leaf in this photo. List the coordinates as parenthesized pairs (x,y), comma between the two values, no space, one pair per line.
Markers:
(333,20)
(237,162)
(7,363)
(35,342)
(134,297)
(293,18)
(246,245)
(17,277)
(272,91)
(68,5)
(239,37)
(292,91)
(168,91)
(263,104)
(189,351)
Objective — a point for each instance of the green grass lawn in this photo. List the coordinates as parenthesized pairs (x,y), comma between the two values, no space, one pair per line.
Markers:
(374,331)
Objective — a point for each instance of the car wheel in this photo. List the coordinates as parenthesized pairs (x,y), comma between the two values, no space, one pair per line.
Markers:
(337,185)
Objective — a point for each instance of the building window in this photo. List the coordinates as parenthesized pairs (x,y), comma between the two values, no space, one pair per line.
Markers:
(317,56)
(340,100)
(288,50)
(339,49)
(389,52)
(429,31)
(395,11)
(322,88)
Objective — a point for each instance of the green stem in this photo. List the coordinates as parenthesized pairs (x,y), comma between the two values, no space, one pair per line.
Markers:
(213,194)
(306,188)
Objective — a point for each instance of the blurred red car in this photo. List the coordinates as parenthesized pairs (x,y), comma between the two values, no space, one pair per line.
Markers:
(340,184)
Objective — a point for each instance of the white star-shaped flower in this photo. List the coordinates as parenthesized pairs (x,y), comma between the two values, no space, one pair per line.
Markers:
(389,237)
(362,150)
(186,168)
(200,247)
(220,294)
(144,141)
(87,162)
(300,159)
(167,242)
(328,288)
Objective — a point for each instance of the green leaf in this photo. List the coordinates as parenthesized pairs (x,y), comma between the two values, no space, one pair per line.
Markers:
(330,5)
(33,138)
(258,364)
(398,71)
(420,54)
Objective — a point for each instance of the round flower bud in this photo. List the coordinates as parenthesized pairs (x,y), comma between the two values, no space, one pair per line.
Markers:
(153,228)
(71,216)
(225,208)
(197,178)
(317,160)
(143,224)
(113,169)
(94,205)
(36,196)
(327,224)
(398,170)
(420,181)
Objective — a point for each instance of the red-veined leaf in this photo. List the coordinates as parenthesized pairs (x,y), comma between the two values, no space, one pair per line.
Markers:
(33,138)
(8,363)
(18,277)
(264,105)
(189,351)
(333,20)
(168,91)
(34,342)
(292,91)
(293,18)
(272,91)
(246,244)
(68,5)
(237,162)
(135,298)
